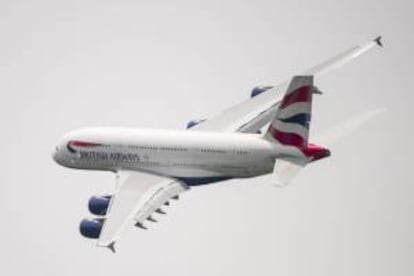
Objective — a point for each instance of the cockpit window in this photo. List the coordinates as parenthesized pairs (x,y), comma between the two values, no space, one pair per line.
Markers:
(69,147)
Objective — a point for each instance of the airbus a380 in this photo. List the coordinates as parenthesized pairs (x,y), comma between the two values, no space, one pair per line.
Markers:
(266,134)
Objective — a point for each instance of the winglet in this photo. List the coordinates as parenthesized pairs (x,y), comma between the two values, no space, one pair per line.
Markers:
(378,41)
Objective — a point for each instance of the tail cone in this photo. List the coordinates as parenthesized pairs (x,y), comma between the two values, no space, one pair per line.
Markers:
(315,152)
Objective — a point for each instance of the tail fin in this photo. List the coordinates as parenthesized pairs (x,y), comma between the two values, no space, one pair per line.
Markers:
(290,129)
(290,126)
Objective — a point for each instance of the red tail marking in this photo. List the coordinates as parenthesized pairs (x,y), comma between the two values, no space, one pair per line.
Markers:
(285,138)
(301,94)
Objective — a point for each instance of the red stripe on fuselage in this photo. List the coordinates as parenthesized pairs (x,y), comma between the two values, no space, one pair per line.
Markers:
(302,94)
(77,143)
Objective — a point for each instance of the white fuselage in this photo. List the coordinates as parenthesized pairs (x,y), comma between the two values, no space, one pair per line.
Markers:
(179,154)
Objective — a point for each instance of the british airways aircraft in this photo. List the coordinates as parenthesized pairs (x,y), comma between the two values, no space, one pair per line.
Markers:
(266,134)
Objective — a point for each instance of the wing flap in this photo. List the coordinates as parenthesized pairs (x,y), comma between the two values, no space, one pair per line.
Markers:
(157,199)
(137,196)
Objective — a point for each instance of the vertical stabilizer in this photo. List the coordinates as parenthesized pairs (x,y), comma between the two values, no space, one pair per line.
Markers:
(290,129)
(290,126)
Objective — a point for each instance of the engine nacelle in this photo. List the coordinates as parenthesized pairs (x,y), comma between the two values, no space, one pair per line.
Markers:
(193,123)
(98,205)
(91,228)
(259,90)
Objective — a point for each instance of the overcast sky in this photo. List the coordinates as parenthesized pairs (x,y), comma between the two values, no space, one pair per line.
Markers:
(153,64)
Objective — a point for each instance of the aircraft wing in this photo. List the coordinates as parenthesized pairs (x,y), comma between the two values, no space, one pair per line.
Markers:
(138,195)
(251,115)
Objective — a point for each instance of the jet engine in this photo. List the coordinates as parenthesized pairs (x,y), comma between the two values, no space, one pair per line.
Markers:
(91,228)
(193,123)
(98,205)
(259,90)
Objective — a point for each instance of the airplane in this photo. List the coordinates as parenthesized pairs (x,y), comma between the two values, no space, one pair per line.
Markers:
(267,134)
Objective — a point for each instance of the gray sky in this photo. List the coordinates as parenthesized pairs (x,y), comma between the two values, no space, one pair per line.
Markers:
(71,64)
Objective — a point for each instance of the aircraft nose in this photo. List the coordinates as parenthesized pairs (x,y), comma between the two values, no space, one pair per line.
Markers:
(55,154)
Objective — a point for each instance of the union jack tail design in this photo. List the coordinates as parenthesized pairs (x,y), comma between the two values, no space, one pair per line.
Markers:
(290,126)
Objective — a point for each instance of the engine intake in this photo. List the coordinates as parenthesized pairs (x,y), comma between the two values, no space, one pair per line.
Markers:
(98,205)
(91,228)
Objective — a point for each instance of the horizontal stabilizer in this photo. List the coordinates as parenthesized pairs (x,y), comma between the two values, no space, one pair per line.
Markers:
(286,169)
